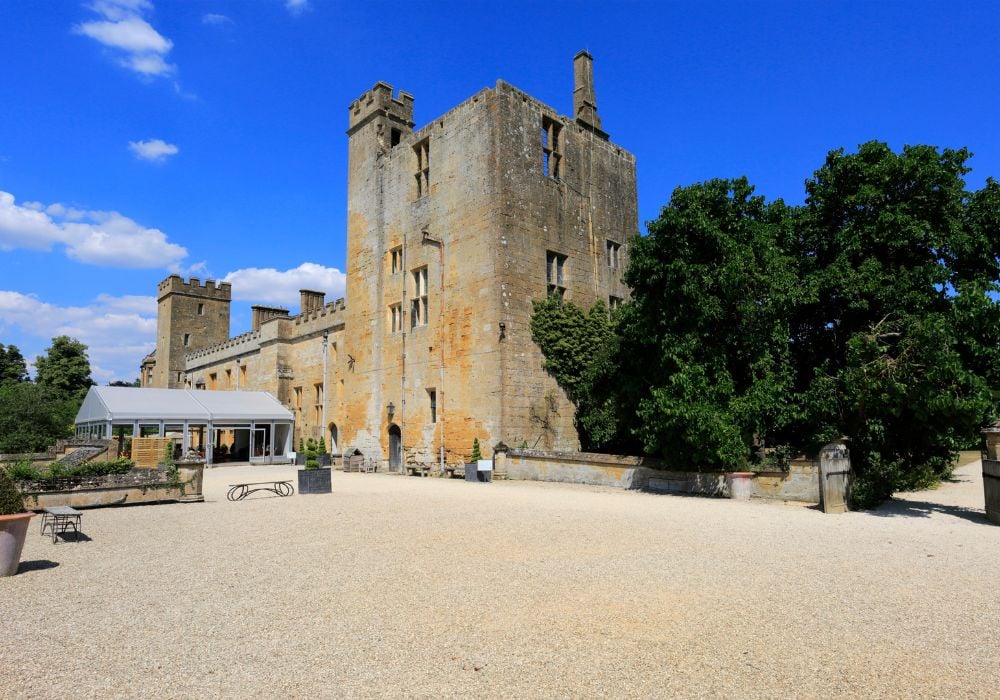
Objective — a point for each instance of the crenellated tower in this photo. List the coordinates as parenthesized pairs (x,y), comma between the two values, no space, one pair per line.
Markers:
(190,316)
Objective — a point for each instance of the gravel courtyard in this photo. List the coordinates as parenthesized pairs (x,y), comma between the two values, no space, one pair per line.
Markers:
(414,587)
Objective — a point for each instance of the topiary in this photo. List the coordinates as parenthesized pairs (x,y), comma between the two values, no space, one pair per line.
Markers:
(302,445)
(311,461)
(11,501)
(476,454)
(322,446)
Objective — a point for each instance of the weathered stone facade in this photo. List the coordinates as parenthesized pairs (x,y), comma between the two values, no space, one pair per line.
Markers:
(453,230)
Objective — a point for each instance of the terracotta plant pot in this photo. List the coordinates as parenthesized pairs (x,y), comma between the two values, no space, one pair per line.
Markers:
(740,485)
(13,529)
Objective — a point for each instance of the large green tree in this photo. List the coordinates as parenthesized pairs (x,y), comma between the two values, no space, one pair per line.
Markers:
(895,343)
(12,365)
(64,368)
(33,417)
(707,327)
(869,312)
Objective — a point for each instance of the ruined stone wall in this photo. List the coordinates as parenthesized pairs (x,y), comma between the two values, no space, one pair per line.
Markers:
(453,350)
(592,201)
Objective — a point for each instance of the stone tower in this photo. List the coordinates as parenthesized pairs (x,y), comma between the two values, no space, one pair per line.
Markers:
(453,230)
(190,316)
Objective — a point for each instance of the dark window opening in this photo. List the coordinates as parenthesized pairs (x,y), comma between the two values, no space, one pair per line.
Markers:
(551,148)
(394,136)
(555,277)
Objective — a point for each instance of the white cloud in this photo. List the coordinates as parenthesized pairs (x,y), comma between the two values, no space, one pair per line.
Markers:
(103,238)
(296,7)
(212,18)
(118,331)
(155,150)
(270,286)
(124,29)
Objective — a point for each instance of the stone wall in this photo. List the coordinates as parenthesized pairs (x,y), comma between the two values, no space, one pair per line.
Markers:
(799,483)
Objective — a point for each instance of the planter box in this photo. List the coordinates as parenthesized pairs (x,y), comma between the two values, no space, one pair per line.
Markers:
(315,480)
(473,472)
(300,458)
(13,530)
(740,485)
(324,460)
(188,490)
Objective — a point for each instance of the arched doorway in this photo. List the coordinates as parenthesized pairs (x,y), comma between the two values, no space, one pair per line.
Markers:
(333,439)
(395,447)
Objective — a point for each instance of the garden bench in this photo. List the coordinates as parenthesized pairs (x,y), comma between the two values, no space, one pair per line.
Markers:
(58,519)
(237,492)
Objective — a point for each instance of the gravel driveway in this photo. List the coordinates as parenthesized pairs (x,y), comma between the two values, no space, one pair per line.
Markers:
(413,587)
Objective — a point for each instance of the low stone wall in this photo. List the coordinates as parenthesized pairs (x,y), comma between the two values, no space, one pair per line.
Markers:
(144,486)
(799,483)
(62,448)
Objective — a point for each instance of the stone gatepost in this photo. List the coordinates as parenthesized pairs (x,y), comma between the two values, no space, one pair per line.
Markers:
(191,472)
(500,460)
(992,435)
(835,477)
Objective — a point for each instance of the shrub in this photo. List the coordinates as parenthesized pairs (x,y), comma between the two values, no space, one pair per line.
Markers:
(476,454)
(11,501)
(25,471)
(311,454)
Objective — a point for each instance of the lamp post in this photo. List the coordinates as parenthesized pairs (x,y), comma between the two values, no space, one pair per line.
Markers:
(322,428)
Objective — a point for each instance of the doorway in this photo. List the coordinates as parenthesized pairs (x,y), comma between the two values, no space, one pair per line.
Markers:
(395,447)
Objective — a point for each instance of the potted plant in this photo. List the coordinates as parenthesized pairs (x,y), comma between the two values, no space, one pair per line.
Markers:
(322,454)
(314,478)
(477,468)
(14,521)
(300,456)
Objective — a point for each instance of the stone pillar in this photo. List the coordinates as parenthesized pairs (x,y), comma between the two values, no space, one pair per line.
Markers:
(835,477)
(500,460)
(191,472)
(992,435)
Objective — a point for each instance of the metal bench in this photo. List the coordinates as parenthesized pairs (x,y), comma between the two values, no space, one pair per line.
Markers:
(237,492)
(59,519)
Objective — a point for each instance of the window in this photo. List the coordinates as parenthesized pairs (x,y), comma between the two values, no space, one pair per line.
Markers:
(298,397)
(433,397)
(614,303)
(187,339)
(614,255)
(397,259)
(318,405)
(394,136)
(418,307)
(243,375)
(229,379)
(396,317)
(201,309)
(554,273)
(423,174)
(213,381)
(551,148)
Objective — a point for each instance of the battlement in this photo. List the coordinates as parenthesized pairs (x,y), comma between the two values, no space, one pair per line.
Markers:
(332,307)
(239,344)
(379,101)
(175,284)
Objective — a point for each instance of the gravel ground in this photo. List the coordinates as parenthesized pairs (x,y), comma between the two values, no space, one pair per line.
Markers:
(414,587)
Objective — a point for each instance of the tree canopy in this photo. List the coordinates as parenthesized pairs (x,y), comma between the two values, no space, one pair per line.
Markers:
(64,367)
(868,312)
(13,368)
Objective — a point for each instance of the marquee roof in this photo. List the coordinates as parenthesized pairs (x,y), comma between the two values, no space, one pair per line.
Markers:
(118,403)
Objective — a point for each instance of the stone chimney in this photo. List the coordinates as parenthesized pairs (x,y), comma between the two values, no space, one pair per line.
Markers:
(584,101)
(265,313)
(310,301)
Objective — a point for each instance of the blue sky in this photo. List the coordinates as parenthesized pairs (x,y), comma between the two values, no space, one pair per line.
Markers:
(206,137)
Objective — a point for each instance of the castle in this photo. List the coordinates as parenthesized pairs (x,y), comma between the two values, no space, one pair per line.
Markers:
(453,230)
